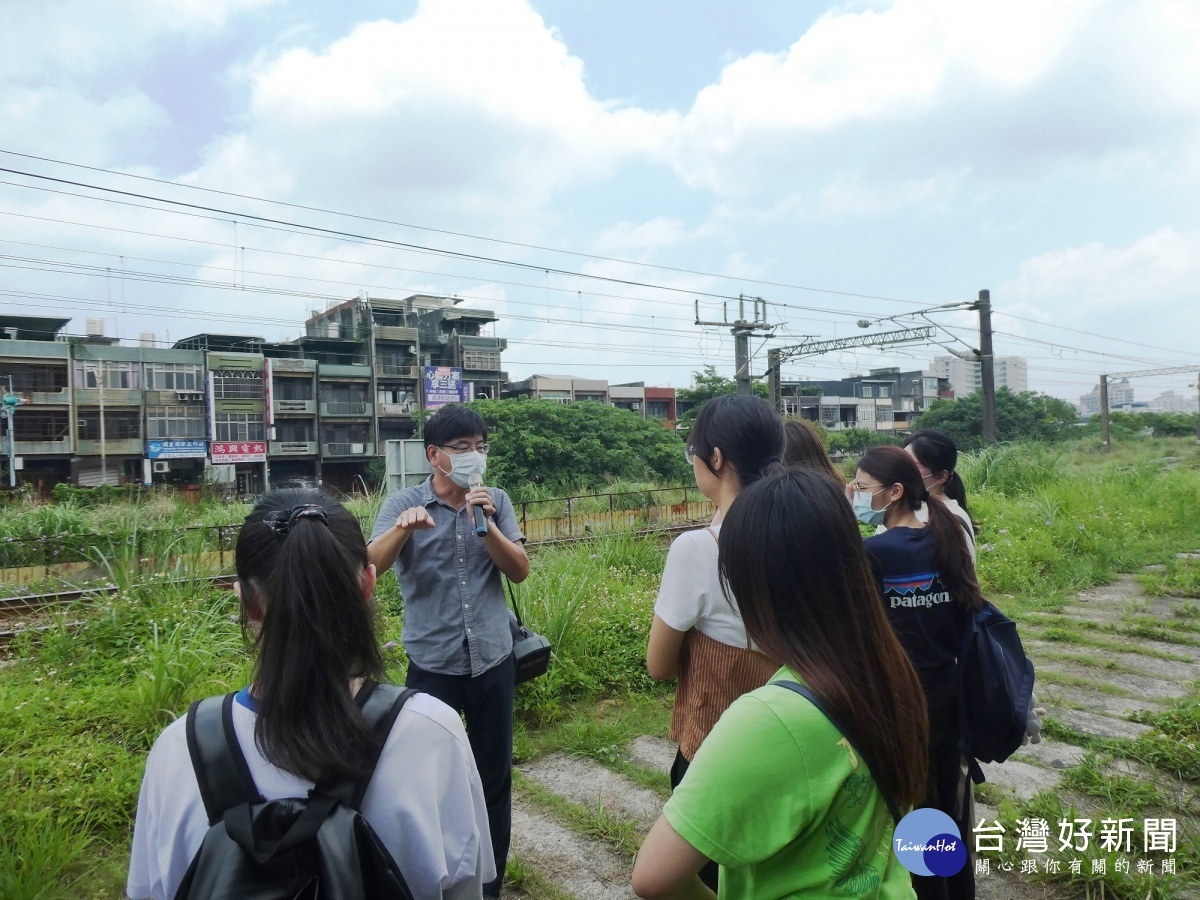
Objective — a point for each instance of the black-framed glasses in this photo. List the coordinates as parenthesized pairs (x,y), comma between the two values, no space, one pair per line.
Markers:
(464,447)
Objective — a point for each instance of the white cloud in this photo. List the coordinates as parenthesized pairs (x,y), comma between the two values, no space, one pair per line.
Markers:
(1153,275)
(929,85)
(470,109)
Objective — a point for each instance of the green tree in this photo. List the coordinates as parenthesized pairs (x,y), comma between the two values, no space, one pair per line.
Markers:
(708,385)
(543,442)
(1128,425)
(1024,416)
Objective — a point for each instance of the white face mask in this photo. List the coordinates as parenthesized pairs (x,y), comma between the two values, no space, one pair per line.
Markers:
(463,466)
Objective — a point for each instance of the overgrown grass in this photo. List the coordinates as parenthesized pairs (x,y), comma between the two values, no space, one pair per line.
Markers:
(84,700)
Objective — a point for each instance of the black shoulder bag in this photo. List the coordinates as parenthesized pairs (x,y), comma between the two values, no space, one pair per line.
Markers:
(531,651)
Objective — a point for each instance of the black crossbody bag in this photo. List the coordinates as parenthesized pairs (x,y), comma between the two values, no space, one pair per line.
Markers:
(531,651)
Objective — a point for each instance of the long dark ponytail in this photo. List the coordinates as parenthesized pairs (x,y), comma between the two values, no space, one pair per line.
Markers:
(891,465)
(300,557)
(937,453)
(790,551)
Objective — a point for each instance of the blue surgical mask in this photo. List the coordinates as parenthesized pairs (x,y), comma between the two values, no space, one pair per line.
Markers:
(863,510)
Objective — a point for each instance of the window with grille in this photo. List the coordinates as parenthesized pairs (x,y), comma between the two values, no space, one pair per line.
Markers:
(240,427)
(41,426)
(174,377)
(118,426)
(487,360)
(174,422)
(27,378)
(238,385)
(104,373)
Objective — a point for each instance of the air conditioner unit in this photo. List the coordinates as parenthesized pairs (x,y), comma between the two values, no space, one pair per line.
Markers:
(635,406)
(162,465)
(358,448)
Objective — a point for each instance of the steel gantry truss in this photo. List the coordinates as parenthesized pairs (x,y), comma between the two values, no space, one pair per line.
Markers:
(777,356)
(1143,373)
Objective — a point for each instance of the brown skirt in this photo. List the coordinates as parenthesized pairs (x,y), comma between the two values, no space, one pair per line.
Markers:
(711,676)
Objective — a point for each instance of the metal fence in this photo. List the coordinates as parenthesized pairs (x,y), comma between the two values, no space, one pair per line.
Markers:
(573,518)
(86,556)
(81,556)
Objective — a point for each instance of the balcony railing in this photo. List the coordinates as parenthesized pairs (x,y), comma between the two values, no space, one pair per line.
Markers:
(113,447)
(351,448)
(300,407)
(31,447)
(60,397)
(292,448)
(345,408)
(392,370)
(112,397)
(395,409)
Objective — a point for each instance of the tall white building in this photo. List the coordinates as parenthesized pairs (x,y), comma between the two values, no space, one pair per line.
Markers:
(964,376)
(1171,402)
(1120,394)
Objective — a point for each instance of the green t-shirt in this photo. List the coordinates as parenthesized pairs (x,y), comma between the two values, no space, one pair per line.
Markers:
(778,798)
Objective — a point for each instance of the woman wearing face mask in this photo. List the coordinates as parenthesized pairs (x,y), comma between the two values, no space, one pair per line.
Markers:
(929,590)
(937,459)
(697,635)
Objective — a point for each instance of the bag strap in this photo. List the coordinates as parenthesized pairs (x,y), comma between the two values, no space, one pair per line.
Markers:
(222,772)
(513,598)
(972,629)
(812,698)
(380,705)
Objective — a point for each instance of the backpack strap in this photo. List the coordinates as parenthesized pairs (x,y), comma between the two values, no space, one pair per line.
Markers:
(380,705)
(836,723)
(222,772)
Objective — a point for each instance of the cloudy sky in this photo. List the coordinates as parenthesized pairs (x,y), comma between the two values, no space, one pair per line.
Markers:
(591,170)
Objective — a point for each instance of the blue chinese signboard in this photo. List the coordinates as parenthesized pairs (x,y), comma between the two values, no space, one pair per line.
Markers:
(443,384)
(176,449)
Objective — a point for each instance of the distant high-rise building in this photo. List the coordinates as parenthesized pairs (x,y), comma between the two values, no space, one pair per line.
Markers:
(1171,402)
(964,375)
(1120,394)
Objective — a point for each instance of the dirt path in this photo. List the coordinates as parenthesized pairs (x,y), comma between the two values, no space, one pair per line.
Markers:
(577,822)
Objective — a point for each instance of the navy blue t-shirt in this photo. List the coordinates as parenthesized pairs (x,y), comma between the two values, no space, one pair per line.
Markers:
(920,608)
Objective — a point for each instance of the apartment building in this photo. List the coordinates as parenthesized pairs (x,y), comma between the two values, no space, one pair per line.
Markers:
(636,397)
(252,412)
(885,399)
(965,376)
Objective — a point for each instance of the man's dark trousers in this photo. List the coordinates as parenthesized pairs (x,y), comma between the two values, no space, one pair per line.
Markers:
(487,703)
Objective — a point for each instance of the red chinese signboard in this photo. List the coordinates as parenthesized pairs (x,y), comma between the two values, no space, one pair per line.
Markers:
(225,452)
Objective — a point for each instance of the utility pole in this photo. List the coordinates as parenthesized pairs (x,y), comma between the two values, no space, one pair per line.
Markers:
(1104,436)
(103,443)
(987,371)
(11,402)
(742,328)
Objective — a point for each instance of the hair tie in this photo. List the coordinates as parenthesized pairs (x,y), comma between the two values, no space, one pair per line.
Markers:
(281,521)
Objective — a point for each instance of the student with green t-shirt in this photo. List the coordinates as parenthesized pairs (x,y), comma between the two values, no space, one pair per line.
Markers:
(776,795)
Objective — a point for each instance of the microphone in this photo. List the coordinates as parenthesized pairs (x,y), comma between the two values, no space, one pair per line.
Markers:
(481,526)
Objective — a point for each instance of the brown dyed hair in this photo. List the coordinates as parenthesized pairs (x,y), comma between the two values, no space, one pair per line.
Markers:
(891,466)
(804,447)
(791,552)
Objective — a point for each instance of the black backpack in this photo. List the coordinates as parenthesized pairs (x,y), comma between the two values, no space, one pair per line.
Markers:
(995,687)
(292,849)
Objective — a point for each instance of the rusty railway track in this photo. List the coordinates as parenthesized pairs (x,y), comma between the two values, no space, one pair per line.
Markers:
(13,609)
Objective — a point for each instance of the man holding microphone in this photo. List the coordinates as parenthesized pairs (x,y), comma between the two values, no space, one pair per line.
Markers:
(450,539)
